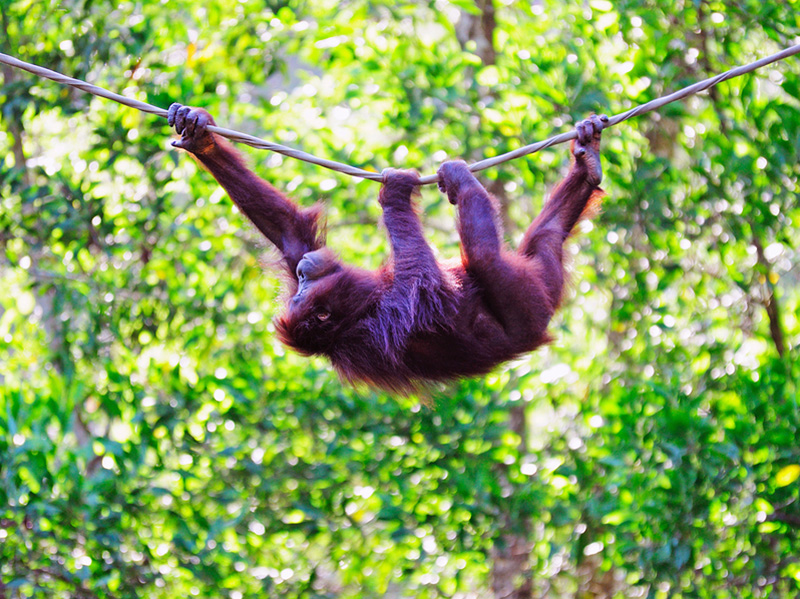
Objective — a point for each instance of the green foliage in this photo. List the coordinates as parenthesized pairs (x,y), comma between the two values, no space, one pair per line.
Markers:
(157,441)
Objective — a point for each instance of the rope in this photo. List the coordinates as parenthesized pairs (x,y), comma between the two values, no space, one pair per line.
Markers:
(149,108)
(428,179)
(636,111)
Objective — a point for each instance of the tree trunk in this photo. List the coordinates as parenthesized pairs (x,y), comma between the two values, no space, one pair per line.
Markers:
(14,119)
(511,576)
(770,301)
(510,555)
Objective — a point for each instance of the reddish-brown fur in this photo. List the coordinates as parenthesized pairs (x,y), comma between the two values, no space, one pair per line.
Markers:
(414,320)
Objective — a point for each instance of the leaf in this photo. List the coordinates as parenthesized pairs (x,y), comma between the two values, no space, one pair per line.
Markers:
(787,475)
(615,518)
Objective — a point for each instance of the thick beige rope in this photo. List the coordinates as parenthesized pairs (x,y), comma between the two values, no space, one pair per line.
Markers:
(357,172)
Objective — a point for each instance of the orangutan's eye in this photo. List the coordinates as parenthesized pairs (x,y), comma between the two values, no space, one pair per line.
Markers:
(323,316)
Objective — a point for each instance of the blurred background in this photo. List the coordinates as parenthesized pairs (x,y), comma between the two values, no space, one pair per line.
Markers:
(157,441)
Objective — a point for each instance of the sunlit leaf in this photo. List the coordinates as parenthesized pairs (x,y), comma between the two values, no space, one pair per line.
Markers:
(787,475)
